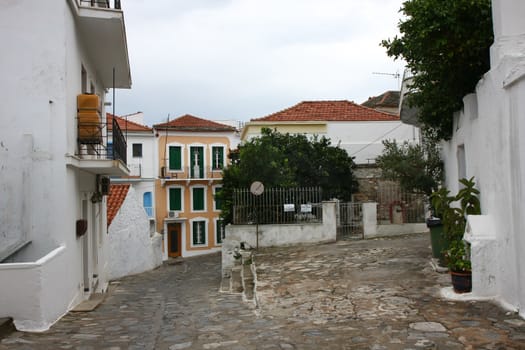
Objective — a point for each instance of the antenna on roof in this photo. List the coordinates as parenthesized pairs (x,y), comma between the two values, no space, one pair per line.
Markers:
(396,75)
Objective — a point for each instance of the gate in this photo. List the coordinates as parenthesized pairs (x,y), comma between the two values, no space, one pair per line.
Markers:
(350,221)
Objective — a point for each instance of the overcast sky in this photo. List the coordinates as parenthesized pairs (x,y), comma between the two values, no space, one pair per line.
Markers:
(243,59)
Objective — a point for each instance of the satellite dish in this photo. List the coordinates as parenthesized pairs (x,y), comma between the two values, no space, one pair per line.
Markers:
(257,188)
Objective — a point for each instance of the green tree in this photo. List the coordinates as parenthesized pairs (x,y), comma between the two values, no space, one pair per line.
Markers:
(445,43)
(418,168)
(286,160)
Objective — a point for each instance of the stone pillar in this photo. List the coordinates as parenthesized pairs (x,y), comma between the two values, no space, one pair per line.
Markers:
(369,219)
(330,219)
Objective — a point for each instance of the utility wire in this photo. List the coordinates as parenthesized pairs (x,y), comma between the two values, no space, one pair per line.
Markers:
(377,139)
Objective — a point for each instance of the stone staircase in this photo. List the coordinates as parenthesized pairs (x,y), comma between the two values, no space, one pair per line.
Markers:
(241,278)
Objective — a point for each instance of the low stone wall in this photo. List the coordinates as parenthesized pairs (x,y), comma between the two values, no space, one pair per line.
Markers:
(278,235)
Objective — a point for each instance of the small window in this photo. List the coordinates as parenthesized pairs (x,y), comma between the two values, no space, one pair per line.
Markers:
(219,231)
(199,233)
(217,157)
(198,199)
(217,201)
(137,150)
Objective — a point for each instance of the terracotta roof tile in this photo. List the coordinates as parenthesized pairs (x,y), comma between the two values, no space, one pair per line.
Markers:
(126,124)
(117,195)
(189,122)
(387,99)
(328,111)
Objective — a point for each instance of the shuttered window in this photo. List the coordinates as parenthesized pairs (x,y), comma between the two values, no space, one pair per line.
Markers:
(219,233)
(198,198)
(217,157)
(175,199)
(218,202)
(175,160)
(197,162)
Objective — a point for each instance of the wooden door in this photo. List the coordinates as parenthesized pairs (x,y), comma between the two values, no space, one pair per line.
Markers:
(174,240)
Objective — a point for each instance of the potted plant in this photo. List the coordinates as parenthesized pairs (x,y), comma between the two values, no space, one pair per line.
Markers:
(457,255)
(458,262)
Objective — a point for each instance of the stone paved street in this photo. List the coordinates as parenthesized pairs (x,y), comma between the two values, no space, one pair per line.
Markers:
(374,294)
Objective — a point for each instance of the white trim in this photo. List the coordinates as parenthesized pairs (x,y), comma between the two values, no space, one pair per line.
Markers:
(167,157)
(190,161)
(214,188)
(168,209)
(223,146)
(205,195)
(206,232)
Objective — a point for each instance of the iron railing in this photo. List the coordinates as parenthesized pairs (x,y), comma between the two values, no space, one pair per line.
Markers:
(278,206)
(395,206)
(95,143)
(187,172)
(350,220)
(101,4)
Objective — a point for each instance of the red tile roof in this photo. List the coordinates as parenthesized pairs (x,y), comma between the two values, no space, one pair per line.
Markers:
(387,99)
(189,122)
(328,111)
(117,195)
(125,124)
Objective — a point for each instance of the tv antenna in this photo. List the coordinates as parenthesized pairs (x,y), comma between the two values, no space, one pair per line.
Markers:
(396,75)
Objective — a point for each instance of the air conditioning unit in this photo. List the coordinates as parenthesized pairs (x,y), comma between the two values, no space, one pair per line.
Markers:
(173,214)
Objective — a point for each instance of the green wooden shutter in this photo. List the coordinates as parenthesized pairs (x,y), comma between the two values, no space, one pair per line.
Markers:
(175,162)
(175,199)
(218,202)
(220,230)
(198,198)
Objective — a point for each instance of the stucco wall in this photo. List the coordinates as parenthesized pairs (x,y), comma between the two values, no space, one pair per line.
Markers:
(131,248)
(491,129)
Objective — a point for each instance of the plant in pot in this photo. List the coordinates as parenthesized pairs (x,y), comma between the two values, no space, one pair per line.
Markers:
(441,209)
(457,255)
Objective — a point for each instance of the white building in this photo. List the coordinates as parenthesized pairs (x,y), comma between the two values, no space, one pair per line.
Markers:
(142,160)
(58,60)
(357,129)
(489,143)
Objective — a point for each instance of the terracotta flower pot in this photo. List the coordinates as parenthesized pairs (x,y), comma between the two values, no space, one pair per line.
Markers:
(461,281)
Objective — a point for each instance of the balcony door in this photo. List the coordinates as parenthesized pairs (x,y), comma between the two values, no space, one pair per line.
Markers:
(197,162)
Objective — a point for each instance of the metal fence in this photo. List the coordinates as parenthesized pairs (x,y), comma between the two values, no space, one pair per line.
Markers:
(350,221)
(395,206)
(278,206)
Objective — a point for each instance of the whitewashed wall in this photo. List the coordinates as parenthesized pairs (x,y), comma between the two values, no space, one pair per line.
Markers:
(363,140)
(131,248)
(40,196)
(491,129)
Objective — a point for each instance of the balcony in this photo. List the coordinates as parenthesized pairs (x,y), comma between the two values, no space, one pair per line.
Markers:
(191,173)
(103,34)
(101,147)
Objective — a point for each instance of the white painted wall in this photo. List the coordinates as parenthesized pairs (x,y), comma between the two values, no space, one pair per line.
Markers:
(40,197)
(131,248)
(363,140)
(491,128)
(148,162)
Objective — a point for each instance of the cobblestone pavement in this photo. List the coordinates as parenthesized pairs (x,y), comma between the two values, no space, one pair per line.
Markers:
(374,294)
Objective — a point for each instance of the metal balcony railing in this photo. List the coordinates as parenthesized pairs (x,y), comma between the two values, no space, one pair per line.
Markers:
(115,4)
(187,173)
(94,141)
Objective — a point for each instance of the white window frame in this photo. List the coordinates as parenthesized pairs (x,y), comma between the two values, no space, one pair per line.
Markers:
(212,159)
(215,227)
(182,158)
(168,197)
(214,188)
(205,198)
(190,159)
(206,229)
